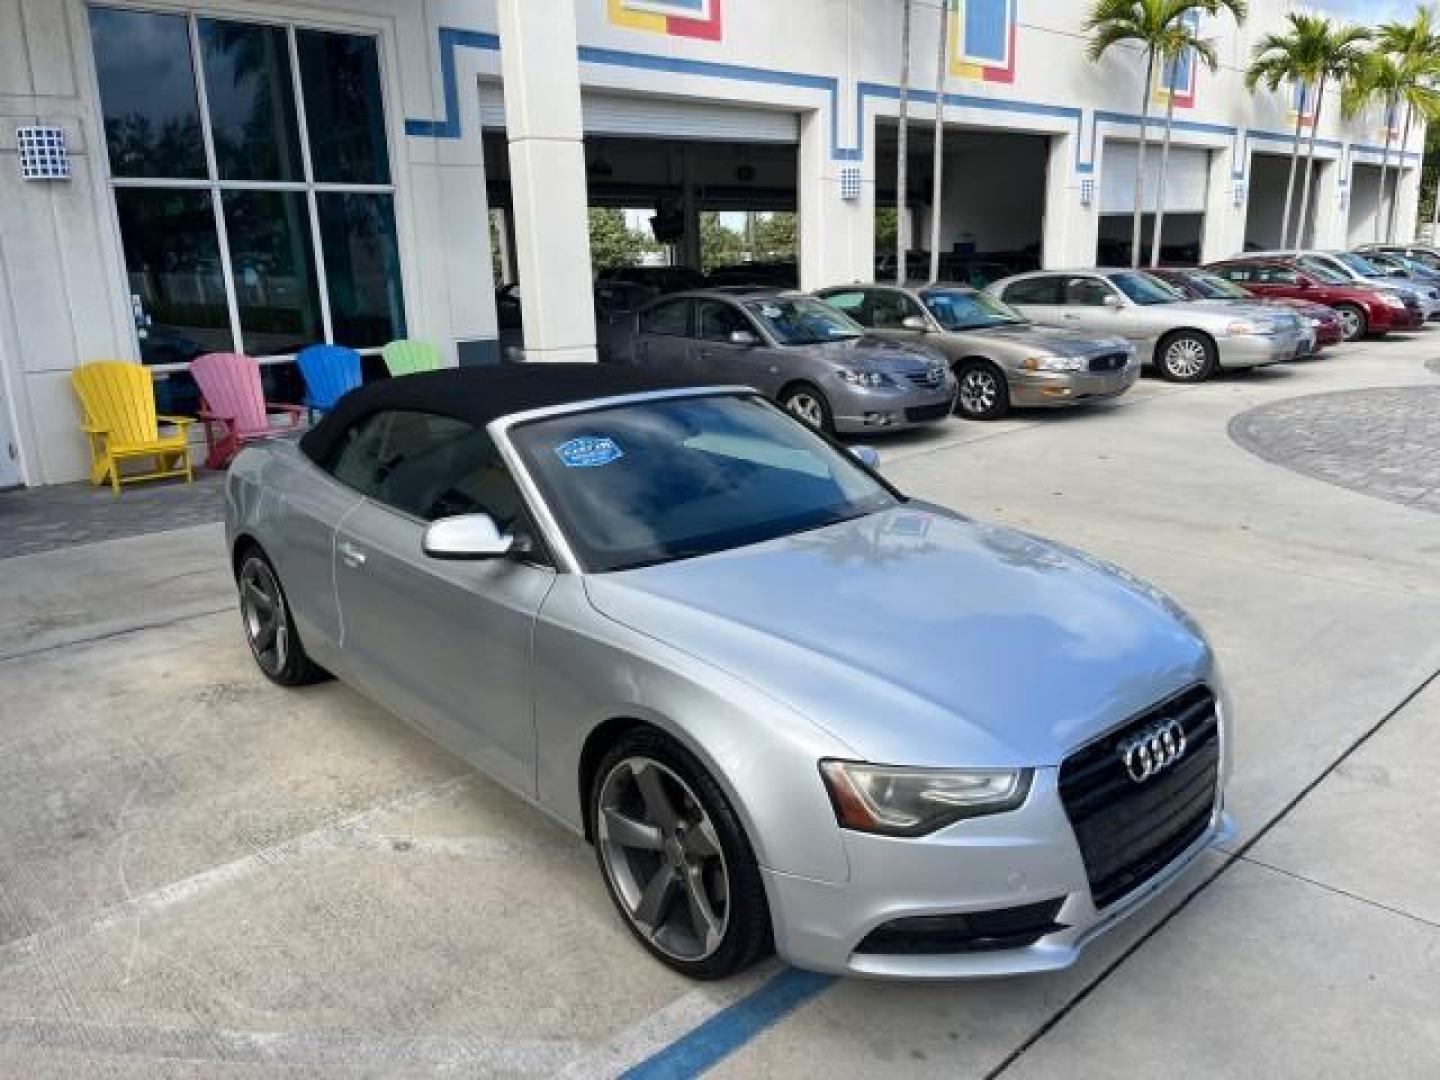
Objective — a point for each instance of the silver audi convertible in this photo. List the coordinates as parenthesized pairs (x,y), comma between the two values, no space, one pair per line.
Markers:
(790,707)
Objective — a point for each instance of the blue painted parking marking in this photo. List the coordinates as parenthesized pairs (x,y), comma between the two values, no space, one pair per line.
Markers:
(732,1027)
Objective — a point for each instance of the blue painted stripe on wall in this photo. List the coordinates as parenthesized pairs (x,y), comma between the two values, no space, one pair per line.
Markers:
(450,39)
(732,1028)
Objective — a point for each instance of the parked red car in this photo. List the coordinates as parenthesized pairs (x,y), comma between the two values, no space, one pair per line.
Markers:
(1361,310)
(1204,285)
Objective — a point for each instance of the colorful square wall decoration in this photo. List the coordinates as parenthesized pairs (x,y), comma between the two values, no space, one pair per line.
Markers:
(1179,73)
(674,18)
(982,39)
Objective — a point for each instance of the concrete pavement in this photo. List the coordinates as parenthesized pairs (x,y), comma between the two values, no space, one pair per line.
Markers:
(203,875)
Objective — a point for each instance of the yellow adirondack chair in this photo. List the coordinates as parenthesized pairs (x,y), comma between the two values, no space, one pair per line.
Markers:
(121,424)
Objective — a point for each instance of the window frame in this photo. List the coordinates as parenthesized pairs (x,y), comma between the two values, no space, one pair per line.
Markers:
(292,23)
(729,305)
(685,302)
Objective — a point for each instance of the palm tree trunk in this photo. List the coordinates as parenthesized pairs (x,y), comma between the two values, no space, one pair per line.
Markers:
(1290,183)
(1390,106)
(1399,175)
(1164,165)
(939,174)
(1309,164)
(1135,230)
(903,149)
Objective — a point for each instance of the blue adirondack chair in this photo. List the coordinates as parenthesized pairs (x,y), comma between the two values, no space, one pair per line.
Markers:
(329,371)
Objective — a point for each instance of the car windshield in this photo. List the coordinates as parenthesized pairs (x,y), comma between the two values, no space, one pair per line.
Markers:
(1215,287)
(675,478)
(959,309)
(1144,289)
(1364,267)
(802,320)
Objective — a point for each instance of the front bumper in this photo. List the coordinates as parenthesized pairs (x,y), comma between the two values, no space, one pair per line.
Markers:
(888,408)
(1055,389)
(1257,350)
(984,864)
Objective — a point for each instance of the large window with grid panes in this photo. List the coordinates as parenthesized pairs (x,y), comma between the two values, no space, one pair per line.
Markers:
(251,172)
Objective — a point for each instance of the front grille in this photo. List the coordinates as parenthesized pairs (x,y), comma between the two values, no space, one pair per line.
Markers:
(1109,362)
(978,931)
(921,413)
(1129,832)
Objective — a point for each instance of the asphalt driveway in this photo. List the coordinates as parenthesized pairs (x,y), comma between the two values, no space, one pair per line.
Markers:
(203,875)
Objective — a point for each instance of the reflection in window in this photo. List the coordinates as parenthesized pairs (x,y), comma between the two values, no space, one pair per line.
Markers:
(172,263)
(274,268)
(340,77)
(362,268)
(252,101)
(147,94)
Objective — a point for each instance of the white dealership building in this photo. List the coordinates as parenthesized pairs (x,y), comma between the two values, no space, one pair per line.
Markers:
(259,175)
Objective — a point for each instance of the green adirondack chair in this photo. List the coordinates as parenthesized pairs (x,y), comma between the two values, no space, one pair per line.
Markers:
(410,357)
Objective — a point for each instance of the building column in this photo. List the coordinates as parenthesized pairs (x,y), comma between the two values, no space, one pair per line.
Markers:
(1331,211)
(547,177)
(1223,233)
(837,235)
(1071,228)
(1407,197)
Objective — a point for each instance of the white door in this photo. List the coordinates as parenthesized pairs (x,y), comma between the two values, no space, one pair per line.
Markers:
(1187,176)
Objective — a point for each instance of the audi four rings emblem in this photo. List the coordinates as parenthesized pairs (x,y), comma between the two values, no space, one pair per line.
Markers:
(1153,750)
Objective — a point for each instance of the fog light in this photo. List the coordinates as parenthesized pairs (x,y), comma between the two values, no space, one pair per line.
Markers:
(1055,391)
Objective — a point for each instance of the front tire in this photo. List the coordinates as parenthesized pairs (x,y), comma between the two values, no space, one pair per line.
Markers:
(808,405)
(270,627)
(1186,357)
(1354,324)
(675,859)
(983,393)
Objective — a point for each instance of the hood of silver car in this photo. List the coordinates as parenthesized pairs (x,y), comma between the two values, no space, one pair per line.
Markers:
(1048,339)
(876,352)
(919,638)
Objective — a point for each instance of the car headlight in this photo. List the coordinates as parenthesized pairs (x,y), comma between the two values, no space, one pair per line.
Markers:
(1239,327)
(1394,300)
(860,377)
(1053,363)
(895,801)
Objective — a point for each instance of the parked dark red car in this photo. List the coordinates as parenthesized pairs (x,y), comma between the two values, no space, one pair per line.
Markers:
(1204,285)
(1361,311)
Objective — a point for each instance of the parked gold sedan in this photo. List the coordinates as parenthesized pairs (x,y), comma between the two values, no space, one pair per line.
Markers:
(1000,358)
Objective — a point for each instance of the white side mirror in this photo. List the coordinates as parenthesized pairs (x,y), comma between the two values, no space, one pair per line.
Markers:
(1113,301)
(914,322)
(743,337)
(469,536)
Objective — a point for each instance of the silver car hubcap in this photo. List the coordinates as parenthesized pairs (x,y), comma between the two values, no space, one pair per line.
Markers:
(978,391)
(1349,323)
(807,408)
(1185,358)
(262,606)
(663,858)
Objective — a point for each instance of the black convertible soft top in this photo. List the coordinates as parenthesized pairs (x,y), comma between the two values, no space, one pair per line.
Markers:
(479,394)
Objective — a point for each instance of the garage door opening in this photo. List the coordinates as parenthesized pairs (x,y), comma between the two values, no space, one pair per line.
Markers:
(1187,181)
(1368,208)
(1265,203)
(992,205)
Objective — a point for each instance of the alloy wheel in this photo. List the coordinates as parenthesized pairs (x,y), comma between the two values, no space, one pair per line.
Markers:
(1185,358)
(979,390)
(662,856)
(1349,322)
(262,607)
(805,406)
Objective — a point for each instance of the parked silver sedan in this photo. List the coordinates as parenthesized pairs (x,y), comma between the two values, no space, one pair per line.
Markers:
(1187,341)
(999,357)
(787,704)
(812,360)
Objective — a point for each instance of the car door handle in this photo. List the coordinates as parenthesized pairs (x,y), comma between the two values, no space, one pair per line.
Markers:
(350,555)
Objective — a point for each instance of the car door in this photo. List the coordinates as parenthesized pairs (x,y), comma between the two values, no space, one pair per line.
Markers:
(1038,298)
(1094,306)
(662,339)
(446,644)
(886,311)
(718,359)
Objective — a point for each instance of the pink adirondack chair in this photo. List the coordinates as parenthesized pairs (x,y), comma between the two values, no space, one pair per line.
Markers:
(233,406)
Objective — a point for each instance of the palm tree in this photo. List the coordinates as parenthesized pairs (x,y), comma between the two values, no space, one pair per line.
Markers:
(1295,57)
(903,149)
(1416,49)
(939,147)
(1183,36)
(1152,25)
(1376,77)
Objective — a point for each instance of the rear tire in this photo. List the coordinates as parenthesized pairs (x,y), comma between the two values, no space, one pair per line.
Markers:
(1186,357)
(1354,324)
(983,392)
(808,405)
(270,627)
(675,858)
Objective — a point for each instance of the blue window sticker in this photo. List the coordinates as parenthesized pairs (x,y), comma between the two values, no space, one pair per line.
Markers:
(589,452)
